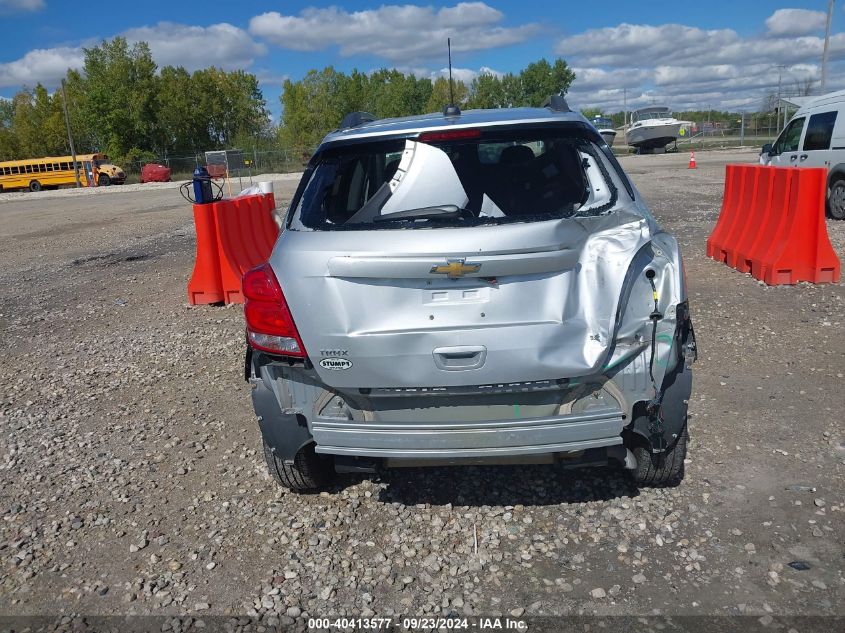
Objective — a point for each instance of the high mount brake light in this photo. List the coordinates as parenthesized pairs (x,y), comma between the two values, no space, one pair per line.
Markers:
(269,323)
(449,135)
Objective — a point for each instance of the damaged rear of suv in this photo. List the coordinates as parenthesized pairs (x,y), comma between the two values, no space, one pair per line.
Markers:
(486,287)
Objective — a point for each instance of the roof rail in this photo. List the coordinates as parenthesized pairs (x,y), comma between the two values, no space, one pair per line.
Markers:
(354,119)
(557,103)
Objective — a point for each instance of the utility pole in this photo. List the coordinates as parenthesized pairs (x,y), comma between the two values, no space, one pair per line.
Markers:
(70,136)
(625,108)
(826,46)
(777,106)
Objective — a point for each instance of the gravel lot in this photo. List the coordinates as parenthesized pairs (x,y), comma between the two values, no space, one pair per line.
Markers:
(133,480)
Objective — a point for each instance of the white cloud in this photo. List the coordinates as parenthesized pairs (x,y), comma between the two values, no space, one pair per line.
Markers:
(193,47)
(786,22)
(14,6)
(591,78)
(463,74)
(271,77)
(632,44)
(688,67)
(458,74)
(196,47)
(398,33)
(46,66)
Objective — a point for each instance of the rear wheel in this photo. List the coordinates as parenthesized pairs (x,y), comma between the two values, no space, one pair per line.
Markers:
(103,180)
(836,200)
(661,470)
(34,185)
(308,472)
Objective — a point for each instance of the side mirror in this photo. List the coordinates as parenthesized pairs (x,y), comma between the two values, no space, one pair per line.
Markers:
(767,148)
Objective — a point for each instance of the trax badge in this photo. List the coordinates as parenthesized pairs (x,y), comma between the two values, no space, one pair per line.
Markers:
(335,363)
(455,268)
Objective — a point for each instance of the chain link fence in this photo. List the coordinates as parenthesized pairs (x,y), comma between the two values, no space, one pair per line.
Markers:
(753,132)
(756,130)
(256,162)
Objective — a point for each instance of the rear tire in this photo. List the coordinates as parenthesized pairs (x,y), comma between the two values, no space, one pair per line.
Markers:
(836,200)
(34,185)
(309,471)
(661,470)
(103,180)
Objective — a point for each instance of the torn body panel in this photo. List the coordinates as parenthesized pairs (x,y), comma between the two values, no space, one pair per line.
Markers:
(537,310)
(541,314)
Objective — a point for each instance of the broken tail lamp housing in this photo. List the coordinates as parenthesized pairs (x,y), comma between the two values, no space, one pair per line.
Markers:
(269,322)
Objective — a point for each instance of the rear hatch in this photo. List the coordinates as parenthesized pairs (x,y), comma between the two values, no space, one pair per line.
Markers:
(479,260)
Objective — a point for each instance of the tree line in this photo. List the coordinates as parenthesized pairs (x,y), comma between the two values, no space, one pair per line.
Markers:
(122,104)
(316,104)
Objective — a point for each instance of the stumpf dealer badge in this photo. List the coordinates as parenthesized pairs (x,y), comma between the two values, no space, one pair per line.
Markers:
(335,363)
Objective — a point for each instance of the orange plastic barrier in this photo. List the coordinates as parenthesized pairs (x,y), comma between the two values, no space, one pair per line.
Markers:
(205,285)
(245,237)
(772,225)
(233,235)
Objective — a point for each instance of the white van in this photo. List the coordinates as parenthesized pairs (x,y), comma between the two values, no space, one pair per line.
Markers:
(815,137)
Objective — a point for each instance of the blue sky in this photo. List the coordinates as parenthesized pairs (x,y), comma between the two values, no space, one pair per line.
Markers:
(722,54)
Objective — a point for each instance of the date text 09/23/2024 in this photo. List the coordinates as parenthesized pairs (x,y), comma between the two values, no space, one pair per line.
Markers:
(416,624)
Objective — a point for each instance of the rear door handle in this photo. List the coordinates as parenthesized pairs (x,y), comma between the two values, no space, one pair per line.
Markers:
(793,158)
(804,157)
(460,357)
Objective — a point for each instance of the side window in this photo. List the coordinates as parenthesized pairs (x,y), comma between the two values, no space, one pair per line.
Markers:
(15,169)
(819,131)
(790,137)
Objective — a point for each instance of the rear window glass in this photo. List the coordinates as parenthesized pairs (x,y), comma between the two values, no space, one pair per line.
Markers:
(491,179)
(819,131)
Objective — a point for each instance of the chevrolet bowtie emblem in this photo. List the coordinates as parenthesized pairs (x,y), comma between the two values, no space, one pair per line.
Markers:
(455,268)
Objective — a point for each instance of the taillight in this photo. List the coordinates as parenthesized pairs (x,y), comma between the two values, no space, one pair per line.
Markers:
(269,323)
(448,135)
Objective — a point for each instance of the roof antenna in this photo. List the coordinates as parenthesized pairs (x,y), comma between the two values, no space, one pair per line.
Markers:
(451,109)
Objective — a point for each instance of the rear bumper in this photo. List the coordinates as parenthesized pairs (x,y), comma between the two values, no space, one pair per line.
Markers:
(500,438)
(289,414)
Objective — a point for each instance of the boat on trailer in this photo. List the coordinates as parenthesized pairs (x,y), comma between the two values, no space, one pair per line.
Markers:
(652,128)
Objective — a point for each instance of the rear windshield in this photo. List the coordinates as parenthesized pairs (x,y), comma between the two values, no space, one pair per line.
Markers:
(479,179)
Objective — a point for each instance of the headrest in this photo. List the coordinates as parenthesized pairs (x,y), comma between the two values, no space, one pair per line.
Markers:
(516,154)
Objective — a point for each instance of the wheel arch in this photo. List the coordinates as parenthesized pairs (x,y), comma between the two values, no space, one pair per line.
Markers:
(286,432)
(836,172)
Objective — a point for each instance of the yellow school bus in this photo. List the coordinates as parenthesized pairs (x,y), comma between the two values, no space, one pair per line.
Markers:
(52,172)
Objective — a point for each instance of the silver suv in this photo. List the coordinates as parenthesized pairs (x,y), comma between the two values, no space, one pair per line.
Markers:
(469,288)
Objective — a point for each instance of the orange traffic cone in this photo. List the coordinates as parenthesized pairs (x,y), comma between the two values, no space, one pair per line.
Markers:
(692,160)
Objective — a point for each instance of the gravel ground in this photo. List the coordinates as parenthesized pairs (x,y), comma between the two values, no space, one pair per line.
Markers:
(133,480)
